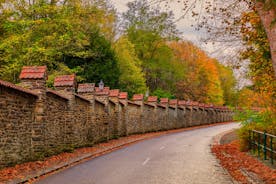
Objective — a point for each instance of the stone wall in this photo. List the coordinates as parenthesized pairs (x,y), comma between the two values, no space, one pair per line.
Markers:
(122,119)
(181,122)
(16,117)
(113,119)
(80,122)
(36,122)
(188,116)
(134,115)
(56,122)
(162,116)
(149,122)
(101,122)
(172,118)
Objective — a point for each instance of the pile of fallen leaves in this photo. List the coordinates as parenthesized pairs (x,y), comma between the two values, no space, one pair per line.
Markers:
(242,166)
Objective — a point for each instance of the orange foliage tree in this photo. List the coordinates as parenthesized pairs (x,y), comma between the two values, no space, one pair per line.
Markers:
(202,80)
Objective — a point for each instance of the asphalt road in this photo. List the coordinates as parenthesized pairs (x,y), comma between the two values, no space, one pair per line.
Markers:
(179,158)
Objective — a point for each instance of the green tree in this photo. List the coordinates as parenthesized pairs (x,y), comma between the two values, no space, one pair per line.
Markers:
(149,29)
(100,63)
(157,58)
(228,83)
(53,33)
(132,78)
(163,94)
(141,16)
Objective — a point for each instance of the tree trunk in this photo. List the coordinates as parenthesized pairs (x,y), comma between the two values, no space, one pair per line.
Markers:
(267,17)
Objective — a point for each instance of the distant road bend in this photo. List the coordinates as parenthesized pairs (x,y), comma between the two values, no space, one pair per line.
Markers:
(179,158)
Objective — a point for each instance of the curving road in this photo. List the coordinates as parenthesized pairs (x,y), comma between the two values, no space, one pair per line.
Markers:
(180,158)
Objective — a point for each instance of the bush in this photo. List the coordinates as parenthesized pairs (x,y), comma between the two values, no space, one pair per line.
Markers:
(163,94)
(263,120)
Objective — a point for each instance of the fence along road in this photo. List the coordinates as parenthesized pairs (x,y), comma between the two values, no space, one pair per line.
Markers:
(180,158)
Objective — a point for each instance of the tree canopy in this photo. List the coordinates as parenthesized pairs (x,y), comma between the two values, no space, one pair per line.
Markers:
(132,78)
(82,37)
(68,37)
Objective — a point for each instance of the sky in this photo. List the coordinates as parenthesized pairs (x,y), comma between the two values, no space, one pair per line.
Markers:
(197,37)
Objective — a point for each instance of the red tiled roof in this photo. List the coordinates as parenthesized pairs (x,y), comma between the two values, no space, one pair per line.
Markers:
(152,99)
(188,103)
(210,105)
(105,91)
(194,103)
(173,102)
(65,80)
(123,95)
(33,72)
(114,92)
(201,105)
(18,88)
(138,97)
(164,100)
(86,88)
(181,102)
(207,106)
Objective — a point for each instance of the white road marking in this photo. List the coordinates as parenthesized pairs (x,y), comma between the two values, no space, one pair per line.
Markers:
(146,161)
(162,147)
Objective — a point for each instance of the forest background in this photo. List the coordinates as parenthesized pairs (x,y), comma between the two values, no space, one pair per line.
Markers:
(138,52)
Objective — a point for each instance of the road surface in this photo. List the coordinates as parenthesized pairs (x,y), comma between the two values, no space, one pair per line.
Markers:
(179,158)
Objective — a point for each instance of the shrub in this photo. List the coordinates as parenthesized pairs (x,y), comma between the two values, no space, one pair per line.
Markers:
(263,120)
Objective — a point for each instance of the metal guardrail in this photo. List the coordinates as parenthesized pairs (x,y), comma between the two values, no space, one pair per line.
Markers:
(263,143)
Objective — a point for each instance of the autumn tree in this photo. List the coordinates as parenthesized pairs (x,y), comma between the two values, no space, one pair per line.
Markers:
(79,36)
(202,81)
(221,17)
(257,51)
